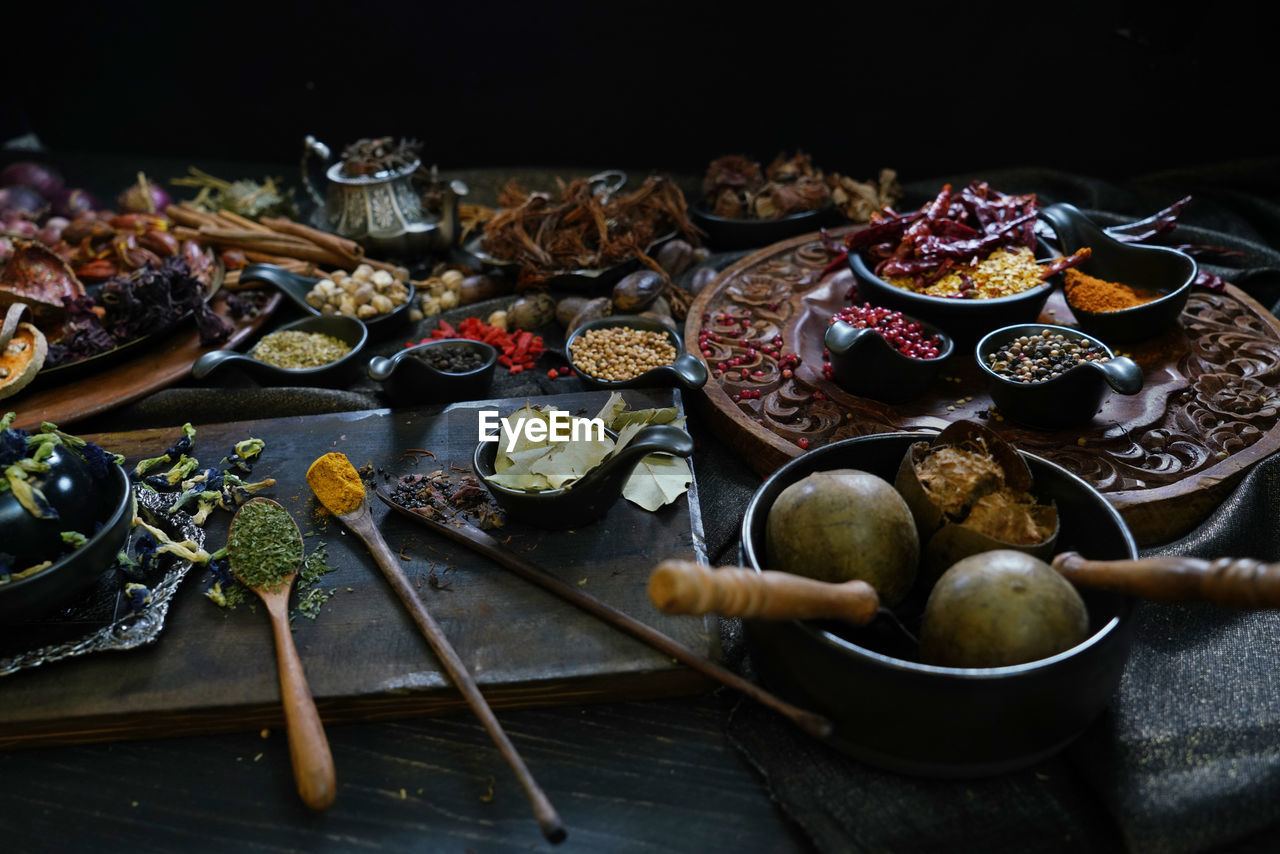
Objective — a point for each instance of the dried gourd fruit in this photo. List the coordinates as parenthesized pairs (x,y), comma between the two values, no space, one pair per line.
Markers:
(969,492)
(22,352)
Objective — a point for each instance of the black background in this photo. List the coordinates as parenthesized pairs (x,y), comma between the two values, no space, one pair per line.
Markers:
(1109,89)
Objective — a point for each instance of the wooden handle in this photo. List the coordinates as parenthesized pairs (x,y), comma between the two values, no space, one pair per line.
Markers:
(308,746)
(1240,582)
(361,523)
(684,587)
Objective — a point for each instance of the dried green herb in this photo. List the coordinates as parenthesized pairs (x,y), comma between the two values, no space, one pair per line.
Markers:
(264,545)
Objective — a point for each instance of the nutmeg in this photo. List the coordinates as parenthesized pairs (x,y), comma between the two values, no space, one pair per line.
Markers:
(634,292)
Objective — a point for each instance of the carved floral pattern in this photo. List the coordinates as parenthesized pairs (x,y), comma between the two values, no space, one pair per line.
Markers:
(1213,384)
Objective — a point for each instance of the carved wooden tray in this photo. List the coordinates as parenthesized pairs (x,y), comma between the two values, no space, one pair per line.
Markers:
(1165,458)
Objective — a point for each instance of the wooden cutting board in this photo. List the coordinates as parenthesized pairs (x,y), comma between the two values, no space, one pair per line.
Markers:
(214,669)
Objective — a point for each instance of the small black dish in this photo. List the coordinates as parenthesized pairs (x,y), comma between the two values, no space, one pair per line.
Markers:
(74,573)
(590,496)
(336,373)
(865,364)
(729,233)
(1064,401)
(1162,269)
(966,320)
(296,287)
(687,371)
(409,378)
(893,712)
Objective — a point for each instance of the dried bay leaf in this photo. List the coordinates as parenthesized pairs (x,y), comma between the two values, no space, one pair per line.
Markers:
(657,480)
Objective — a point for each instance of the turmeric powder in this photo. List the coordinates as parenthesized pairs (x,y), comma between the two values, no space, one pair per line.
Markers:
(1090,294)
(336,483)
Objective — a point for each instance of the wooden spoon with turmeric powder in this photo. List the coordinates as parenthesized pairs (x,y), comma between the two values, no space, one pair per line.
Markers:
(264,548)
(337,485)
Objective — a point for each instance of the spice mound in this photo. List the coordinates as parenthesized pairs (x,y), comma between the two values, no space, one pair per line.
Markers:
(617,353)
(1092,294)
(336,483)
(1003,273)
(452,360)
(295,350)
(941,249)
(1037,358)
(905,336)
(363,294)
(264,545)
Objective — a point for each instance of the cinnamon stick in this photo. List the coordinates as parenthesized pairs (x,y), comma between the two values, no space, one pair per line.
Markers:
(338,244)
(237,221)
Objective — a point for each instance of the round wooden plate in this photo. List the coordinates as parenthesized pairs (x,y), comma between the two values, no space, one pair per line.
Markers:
(1165,457)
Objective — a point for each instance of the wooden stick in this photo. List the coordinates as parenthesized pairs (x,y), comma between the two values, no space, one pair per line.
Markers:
(471,536)
(1239,582)
(360,522)
(685,587)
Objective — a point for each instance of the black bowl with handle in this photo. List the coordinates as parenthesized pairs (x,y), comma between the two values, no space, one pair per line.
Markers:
(589,497)
(1073,398)
(686,370)
(408,377)
(1166,271)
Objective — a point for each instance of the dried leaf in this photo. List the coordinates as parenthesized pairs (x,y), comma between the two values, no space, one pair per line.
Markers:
(659,479)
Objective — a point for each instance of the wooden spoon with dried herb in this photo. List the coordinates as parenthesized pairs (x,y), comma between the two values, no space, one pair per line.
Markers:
(264,548)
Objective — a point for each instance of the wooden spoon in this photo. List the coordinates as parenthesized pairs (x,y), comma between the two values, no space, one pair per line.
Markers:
(308,746)
(360,522)
(461,531)
(682,587)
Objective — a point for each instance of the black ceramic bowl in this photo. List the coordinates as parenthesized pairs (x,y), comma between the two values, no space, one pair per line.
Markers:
(687,371)
(409,378)
(728,233)
(40,593)
(865,364)
(1068,400)
(589,497)
(336,373)
(917,718)
(965,320)
(1161,269)
(296,287)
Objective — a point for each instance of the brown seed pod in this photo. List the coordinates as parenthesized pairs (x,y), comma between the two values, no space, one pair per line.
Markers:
(675,256)
(634,292)
(532,311)
(598,307)
(702,277)
(476,288)
(567,309)
(970,491)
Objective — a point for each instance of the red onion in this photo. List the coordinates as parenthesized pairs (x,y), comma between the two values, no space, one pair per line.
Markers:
(51,232)
(42,179)
(71,202)
(143,197)
(23,200)
(22,228)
